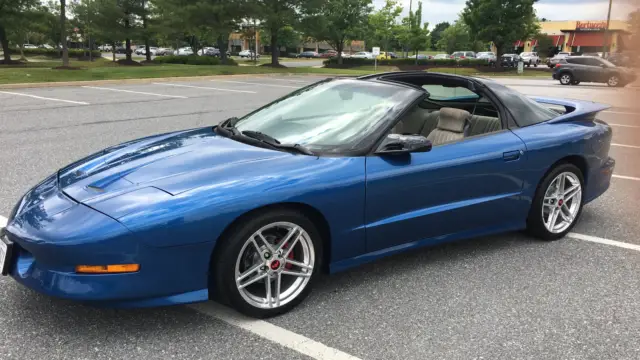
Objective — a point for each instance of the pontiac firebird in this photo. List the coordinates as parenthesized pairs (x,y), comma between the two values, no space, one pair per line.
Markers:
(333,175)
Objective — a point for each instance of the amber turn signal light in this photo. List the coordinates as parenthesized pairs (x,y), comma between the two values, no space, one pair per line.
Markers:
(107,269)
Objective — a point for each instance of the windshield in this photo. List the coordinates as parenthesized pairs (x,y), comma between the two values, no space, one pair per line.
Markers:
(333,116)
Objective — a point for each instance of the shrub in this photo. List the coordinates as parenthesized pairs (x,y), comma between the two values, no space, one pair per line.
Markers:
(193,60)
(351,62)
(55,53)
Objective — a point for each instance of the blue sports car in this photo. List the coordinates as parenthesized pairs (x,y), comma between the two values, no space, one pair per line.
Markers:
(333,175)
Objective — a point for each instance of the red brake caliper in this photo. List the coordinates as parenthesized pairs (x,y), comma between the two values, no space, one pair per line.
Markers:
(290,256)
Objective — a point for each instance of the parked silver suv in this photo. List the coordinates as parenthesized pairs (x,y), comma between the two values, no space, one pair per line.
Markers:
(530,58)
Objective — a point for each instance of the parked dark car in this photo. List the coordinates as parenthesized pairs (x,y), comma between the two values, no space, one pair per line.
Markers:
(392,55)
(308,54)
(121,50)
(214,52)
(329,53)
(575,69)
(509,60)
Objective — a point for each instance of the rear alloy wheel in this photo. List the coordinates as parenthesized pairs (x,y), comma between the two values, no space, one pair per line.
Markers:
(566,79)
(267,267)
(613,81)
(557,204)
(575,82)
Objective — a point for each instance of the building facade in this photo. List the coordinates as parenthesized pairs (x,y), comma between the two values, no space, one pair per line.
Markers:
(580,36)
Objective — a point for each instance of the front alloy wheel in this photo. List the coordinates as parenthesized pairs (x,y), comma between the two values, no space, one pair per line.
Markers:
(274,265)
(267,263)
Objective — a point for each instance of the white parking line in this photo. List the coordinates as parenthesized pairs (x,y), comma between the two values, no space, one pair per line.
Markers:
(620,112)
(627,146)
(205,88)
(604,241)
(258,84)
(268,331)
(289,80)
(622,125)
(44,98)
(626,177)
(135,92)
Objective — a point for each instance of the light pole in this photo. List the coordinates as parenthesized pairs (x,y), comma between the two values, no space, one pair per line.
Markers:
(606,31)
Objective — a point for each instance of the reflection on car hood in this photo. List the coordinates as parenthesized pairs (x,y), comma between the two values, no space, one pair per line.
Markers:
(157,161)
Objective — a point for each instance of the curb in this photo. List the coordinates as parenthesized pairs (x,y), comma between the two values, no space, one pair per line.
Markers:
(146,80)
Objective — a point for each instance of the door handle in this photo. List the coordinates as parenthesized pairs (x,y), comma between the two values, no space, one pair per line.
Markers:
(512,155)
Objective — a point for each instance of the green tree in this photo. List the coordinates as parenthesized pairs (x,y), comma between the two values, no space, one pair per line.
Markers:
(545,45)
(27,27)
(204,19)
(436,33)
(336,21)
(12,13)
(455,37)
(383,24)
(288,38)
(412,34)
(502,22)
(276,15)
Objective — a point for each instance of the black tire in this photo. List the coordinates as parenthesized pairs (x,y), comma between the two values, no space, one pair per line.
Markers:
(223,264)
(535,224)
(614,81)
(575,82)
(536,64)
(565,78)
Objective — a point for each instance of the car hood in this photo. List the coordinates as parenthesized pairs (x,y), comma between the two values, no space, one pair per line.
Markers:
(162,161)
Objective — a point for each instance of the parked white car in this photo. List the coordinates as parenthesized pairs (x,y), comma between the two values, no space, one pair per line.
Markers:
(530,58)
(142,50)
(247,54)
(185,51)
(551,62)
(488,56)
(441,56)
(362,55)
(29,46)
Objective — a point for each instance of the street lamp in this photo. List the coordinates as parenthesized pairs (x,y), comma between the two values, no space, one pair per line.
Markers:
(606,31)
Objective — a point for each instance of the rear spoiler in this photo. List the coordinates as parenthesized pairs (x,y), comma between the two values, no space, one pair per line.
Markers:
(575,109)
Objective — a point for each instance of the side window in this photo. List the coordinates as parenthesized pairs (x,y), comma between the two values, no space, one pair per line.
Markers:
(593,62)
(425,119)
(576,61)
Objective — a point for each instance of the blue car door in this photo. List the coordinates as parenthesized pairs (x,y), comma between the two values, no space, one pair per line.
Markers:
(459,189)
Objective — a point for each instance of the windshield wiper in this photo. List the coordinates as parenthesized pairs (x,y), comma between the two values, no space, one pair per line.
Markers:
(228,127)
(269,140)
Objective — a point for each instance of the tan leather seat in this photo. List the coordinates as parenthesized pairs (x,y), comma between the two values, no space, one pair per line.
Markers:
(416,121)
(451,126)
(430,123)
(483,124)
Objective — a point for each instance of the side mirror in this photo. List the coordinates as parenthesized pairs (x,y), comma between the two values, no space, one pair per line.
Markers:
(396,144)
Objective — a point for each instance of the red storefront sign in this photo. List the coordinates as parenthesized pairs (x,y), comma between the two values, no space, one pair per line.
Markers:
(591,25)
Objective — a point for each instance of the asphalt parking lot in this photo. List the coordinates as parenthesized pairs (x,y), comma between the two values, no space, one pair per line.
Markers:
(498,297)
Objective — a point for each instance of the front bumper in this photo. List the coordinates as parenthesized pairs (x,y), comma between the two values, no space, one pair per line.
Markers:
(48,245)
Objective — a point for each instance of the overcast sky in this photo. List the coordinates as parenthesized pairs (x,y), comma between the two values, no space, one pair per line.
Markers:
(435,11)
